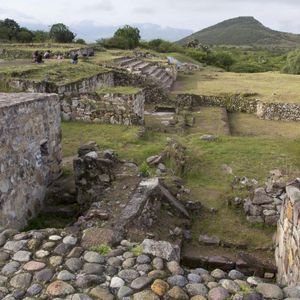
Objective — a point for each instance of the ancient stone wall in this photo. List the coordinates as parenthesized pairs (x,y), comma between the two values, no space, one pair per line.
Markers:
(30,154)
(153,92)
(288,238)
(278,111)
(238,103)
(233,103)
(84,85)
(110,108)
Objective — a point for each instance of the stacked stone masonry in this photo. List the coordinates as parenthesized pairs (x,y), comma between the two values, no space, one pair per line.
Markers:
(30,154)
(111,108)
(239,103)
(265,203)
(81,86)
(288,238)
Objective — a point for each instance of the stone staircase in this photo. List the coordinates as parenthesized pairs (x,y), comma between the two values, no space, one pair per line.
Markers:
(165,77)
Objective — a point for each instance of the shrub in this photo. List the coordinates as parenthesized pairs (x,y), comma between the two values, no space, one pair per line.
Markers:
(144,169)
(115,43)
(80,41)
(292,65)
(103,249)
(137,250)
(162,46)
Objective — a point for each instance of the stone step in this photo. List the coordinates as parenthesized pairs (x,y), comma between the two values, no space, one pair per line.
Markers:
(127,61)
(150,70)
(134,64)
(162,75)
(168,84)
(165,78)
(121,59)
(157,73)
(143,66)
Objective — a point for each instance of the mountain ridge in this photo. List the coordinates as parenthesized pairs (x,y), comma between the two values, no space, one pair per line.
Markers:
(242,31)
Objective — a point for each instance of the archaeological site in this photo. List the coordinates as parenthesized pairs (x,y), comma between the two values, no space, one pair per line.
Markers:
(150,170)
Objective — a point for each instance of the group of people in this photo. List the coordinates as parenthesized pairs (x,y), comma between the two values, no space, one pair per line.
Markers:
(39,56)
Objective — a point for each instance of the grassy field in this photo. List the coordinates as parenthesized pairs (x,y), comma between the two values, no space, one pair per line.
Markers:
(108,56)
(270,86)
(59,72)
(251,156)
(242,124)
(13,51)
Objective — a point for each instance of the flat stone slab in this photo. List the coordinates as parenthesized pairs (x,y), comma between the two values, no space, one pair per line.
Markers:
(96,236)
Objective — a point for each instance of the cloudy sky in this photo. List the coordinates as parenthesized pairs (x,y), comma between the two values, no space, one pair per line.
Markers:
(188,14)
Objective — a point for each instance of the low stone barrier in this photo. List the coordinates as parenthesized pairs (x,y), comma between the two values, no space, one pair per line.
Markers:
(239,103)
(278,111)
(288,238)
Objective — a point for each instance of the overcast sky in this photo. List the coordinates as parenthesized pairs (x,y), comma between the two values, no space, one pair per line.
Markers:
(188,14)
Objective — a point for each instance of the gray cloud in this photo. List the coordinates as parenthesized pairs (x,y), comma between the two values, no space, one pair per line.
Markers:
(144,10)
(188,14)
(104,5)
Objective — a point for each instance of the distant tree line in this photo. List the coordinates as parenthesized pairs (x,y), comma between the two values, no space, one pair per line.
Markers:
(11,31)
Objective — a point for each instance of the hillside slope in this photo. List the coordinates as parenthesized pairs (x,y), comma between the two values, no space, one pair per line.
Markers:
(243,31)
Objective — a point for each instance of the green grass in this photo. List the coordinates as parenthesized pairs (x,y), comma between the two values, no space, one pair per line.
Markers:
(109,55)
(119,90)
(120,138)
(60,73)
(269,87)
(26,50)
(250,156)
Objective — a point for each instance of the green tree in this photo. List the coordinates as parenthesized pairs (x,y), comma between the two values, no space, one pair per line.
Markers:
(60,33)
(9,29)
(25,36)
(292,65)
(40,36)
(80,41)
(129,34)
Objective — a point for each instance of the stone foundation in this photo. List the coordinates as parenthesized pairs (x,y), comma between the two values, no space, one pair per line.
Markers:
(30,154)
(288,238)
(109,108)
(84,85)
(239,103)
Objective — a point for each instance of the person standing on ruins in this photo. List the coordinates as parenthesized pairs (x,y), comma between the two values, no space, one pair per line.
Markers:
(75,59)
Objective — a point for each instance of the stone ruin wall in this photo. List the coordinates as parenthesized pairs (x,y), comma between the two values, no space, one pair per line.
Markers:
(81,86)
(109,108)
(287,251)
(30,154)
(153,92)
(238,103)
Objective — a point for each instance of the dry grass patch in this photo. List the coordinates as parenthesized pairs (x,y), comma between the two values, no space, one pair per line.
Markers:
(269,87)
(249,125)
